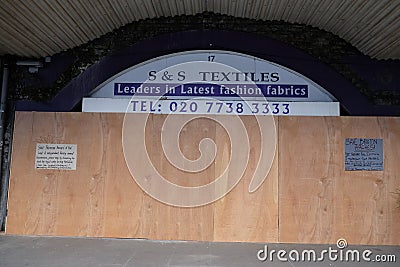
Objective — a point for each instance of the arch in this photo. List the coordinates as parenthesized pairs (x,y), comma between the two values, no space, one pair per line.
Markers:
(269,49)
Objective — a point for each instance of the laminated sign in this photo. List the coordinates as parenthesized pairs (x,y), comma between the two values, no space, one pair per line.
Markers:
(363,154)
(56,156)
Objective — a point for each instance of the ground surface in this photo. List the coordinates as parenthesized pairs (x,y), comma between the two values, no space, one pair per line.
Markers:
(66,251)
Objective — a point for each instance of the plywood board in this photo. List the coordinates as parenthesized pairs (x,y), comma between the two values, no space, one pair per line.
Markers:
(306,198)
(243,216)
(169,222)
(101,198)
(78,203)
(368,214)
(319,202)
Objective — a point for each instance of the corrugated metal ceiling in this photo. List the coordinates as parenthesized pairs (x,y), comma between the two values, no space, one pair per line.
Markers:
(45,27)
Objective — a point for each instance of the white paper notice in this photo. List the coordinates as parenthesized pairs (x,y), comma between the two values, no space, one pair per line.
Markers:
(56,156)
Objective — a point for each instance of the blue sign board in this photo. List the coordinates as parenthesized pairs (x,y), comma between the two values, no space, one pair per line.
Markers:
(211,90)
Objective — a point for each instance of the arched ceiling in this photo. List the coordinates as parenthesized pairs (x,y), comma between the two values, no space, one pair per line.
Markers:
(45,27)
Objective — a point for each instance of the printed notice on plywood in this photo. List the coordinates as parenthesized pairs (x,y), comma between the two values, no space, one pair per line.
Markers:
(56,156)
(363,154)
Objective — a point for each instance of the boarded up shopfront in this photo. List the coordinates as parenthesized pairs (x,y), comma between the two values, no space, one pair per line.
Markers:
(307,197)
(76,178)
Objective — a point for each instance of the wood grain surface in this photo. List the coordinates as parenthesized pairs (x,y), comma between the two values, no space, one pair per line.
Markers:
(306,198)
(320,202)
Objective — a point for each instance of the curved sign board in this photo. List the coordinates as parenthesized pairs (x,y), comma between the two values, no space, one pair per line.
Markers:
(244,78)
